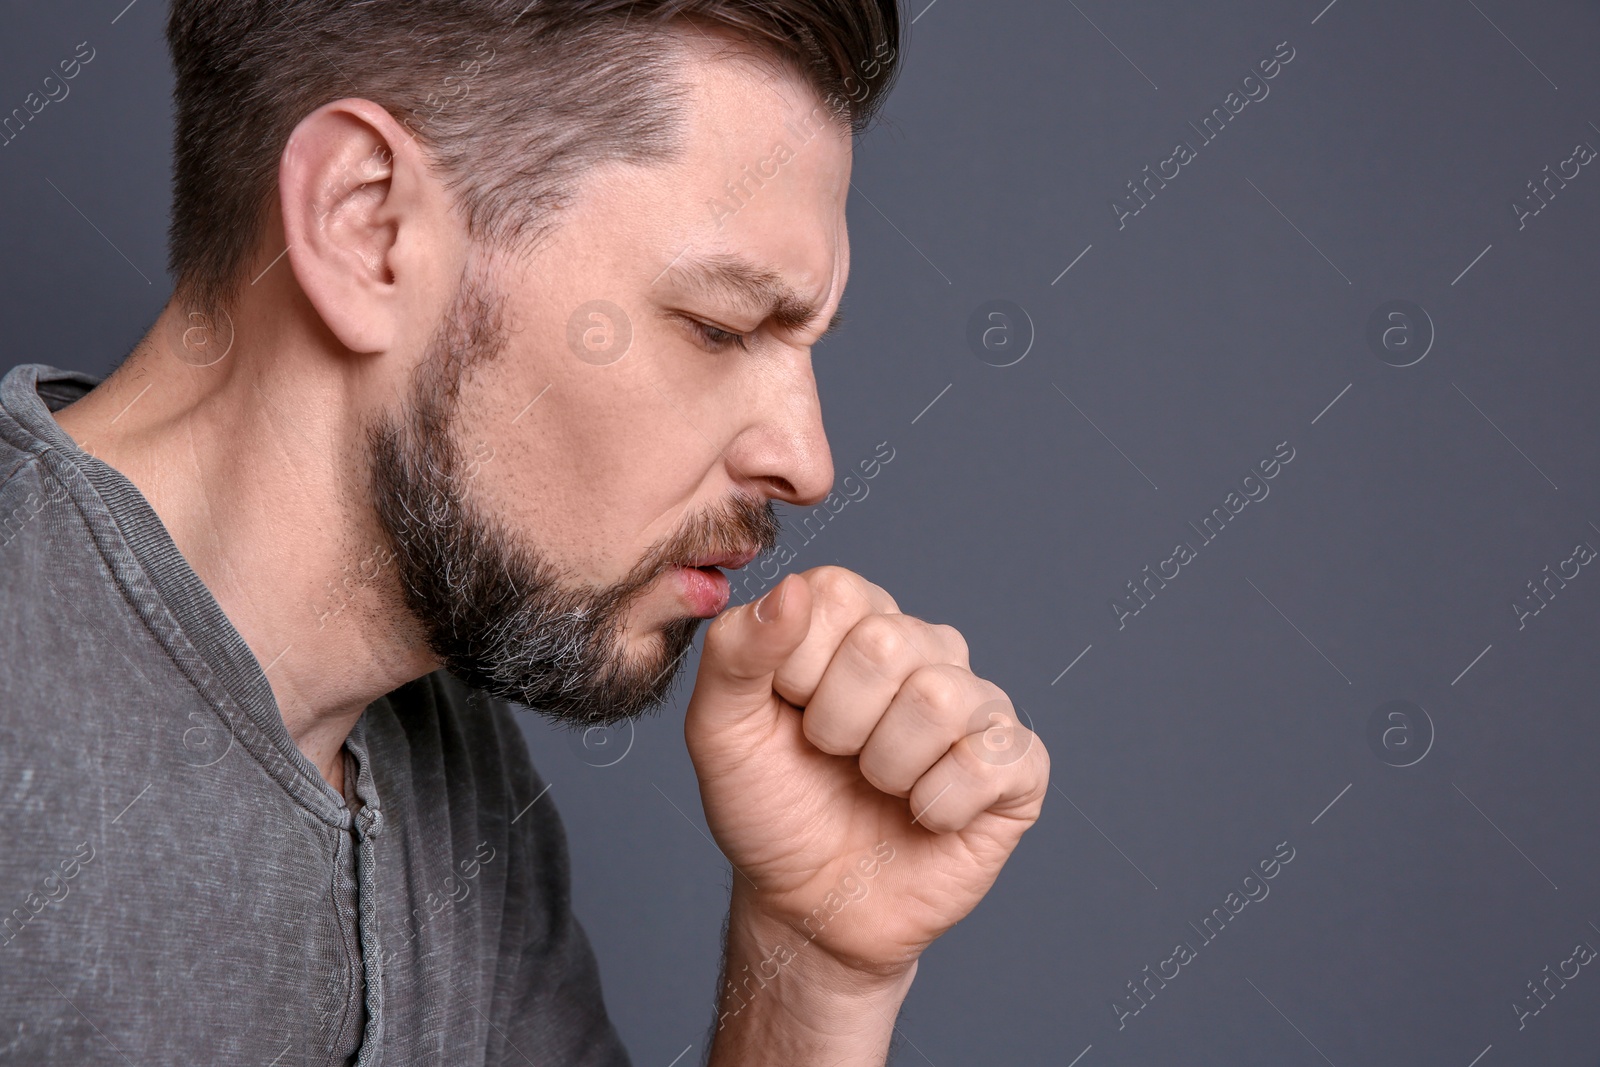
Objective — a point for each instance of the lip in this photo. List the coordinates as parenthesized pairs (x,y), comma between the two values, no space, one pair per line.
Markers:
(705,588)
(727,561)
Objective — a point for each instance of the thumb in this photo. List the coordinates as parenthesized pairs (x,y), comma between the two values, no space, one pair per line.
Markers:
(743,649)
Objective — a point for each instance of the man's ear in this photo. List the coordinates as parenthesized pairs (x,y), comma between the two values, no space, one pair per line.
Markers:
(360,218)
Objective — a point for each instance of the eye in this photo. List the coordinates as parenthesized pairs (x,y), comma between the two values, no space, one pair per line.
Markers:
(717,339)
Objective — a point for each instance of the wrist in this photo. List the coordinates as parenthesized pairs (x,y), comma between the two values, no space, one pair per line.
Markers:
(775,974)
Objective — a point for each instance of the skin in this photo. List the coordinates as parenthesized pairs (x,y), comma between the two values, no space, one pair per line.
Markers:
(822,728)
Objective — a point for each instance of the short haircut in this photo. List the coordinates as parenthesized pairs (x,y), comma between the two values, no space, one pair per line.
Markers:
(513,99)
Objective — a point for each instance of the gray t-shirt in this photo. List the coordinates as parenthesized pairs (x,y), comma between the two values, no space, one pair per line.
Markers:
(178,884)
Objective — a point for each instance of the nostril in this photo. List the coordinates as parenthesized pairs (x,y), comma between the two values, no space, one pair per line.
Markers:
(783,486)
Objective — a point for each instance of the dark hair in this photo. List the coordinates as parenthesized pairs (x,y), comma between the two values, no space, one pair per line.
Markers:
(513,99)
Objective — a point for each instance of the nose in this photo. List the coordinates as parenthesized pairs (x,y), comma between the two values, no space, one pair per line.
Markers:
(783,449)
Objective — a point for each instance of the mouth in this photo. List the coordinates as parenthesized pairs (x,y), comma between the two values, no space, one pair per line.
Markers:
(702,583)
(728,560)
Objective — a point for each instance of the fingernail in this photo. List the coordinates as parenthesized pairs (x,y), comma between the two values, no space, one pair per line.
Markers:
(768,609)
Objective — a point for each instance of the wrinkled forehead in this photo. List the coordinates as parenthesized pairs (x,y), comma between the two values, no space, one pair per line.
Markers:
(764,168)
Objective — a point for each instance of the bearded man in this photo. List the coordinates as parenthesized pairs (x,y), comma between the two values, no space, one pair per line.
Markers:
(489,350)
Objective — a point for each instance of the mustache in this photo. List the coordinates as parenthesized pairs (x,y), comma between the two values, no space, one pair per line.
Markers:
(744,523)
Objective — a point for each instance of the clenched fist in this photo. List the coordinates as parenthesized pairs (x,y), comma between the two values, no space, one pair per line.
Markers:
(866,785)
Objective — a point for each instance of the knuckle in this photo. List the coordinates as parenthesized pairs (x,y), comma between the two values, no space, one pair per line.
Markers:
(992,692)
(937,688)
(890,605)
(831,584)
(844,589)
(877,640)
(952,639)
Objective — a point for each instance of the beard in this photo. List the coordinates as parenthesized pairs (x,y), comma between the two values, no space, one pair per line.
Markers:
(493,608)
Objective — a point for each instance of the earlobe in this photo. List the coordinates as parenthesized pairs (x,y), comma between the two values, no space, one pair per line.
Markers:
(341,221)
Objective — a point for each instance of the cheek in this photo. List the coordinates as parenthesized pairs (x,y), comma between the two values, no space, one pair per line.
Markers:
(601,465)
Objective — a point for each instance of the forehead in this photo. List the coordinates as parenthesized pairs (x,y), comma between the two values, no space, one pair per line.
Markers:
(762,175)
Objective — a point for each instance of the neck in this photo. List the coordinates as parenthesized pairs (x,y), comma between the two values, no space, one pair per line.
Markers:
(256,465)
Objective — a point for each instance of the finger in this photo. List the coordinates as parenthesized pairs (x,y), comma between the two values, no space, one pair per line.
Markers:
(966,784)
(936,707)
(840,598)
(873,662)
(743,647)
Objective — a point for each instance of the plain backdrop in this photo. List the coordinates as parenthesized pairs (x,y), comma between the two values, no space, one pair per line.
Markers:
(1154,359)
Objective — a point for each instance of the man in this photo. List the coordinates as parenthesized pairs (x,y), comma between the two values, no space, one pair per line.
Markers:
(490,346)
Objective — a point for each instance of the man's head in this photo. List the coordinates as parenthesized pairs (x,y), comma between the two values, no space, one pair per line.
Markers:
(562,264)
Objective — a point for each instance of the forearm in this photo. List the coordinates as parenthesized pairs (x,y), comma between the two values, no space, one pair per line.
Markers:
(782,1000)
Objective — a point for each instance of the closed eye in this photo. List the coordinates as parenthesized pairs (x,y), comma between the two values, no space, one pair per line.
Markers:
(717,339)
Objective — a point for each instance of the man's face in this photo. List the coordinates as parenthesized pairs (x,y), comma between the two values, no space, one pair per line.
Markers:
(610,426)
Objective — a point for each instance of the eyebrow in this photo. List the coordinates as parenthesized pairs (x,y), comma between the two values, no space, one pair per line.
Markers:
(721,274)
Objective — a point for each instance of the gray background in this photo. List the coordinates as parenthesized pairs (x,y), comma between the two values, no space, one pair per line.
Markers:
(1175,353)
